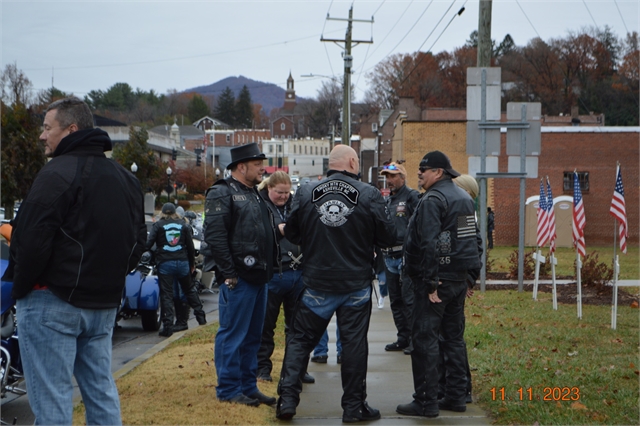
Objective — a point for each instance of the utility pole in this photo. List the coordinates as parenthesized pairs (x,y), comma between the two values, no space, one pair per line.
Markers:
(348,63)
(484,34)
(484,60)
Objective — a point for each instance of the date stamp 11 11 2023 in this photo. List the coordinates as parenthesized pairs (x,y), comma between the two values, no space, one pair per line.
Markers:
(549,393)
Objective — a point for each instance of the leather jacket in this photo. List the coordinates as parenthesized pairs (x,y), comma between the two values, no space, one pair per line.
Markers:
(338,221)
(287,248)
(173,240)
(443,240)
(240,232)
(401,206)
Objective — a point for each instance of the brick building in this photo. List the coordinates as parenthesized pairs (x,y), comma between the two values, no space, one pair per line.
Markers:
(592,151)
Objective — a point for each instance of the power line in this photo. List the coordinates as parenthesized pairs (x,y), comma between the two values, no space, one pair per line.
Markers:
(441,33)
(621,17)
(529,20)
(587,7)
(177,58)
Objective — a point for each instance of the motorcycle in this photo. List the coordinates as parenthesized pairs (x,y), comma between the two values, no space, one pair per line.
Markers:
(203,279)
(11,366)
(141,296)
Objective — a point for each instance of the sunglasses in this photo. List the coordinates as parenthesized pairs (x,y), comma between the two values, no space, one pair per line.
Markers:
(390,167)
(424,169)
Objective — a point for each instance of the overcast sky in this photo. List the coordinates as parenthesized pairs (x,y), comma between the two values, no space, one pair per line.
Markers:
(91,45)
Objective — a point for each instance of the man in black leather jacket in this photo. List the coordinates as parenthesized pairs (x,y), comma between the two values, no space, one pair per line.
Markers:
(338,221)
(441,248)
(402,202)
(240,232)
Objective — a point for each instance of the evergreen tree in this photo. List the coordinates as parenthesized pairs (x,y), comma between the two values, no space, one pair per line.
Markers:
(244,110)
(197,108)
(150,172)
(224,110)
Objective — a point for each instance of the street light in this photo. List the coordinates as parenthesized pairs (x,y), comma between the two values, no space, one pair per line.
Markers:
(169,187)
(134,167)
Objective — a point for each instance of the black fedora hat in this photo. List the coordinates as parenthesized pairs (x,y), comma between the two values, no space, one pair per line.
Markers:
(244,153)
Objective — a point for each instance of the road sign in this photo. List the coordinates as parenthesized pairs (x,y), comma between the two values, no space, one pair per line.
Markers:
(474,165)
(531,166)
(474,140)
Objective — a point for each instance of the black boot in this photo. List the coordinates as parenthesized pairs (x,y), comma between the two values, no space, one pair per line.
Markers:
(182,316)
(193,299)
(167,330)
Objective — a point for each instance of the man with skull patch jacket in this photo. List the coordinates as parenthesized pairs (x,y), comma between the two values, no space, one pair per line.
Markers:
(337,221)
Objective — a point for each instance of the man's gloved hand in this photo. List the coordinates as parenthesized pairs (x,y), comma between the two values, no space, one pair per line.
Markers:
(231,283)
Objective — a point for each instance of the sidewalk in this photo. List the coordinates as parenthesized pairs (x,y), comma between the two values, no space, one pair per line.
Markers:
(389,383)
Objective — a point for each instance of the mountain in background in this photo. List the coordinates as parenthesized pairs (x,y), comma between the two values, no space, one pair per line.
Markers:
(268,95)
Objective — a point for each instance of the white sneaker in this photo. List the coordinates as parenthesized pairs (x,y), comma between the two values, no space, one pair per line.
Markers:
(381,302)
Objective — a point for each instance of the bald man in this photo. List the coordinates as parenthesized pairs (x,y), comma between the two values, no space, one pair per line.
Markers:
(338,222)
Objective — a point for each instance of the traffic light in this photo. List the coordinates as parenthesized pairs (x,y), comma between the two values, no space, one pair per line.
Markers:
(198,159)
(174,154)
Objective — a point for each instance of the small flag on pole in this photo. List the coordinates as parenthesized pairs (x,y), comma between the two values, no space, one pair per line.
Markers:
(579,219)
(551,218)
(543,224)
(619,211)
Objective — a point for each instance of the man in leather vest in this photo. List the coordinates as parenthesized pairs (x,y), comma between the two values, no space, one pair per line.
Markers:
(240,233)
(402,203)
(442,246)
(337,221)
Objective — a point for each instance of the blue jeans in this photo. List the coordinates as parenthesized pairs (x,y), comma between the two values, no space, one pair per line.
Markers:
(382,280)
(322,349)
(393,264)
(241,313)
(59,341)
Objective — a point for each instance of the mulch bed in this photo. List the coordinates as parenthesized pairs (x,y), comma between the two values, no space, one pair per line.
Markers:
(567,293)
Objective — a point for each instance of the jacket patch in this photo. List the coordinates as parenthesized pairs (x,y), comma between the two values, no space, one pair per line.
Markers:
(466,226)
(172,232)
(249,260)
(443,245)
(336,187)
(334,213)
(239,198)
(401,209)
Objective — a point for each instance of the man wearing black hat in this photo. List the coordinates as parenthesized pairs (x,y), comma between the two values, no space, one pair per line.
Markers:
(240,232)
(442,246)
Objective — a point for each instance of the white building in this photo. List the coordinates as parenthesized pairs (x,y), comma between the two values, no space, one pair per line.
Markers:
(302,157)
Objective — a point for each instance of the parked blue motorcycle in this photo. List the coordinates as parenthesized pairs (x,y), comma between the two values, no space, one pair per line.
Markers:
(141,296)
(11,366)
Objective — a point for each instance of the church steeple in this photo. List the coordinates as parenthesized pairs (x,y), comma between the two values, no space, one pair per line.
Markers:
(290,94)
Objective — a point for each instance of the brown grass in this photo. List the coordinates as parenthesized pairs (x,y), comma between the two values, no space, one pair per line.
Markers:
(178,387)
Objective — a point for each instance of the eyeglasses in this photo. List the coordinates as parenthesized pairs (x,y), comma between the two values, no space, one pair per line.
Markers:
(390,167)
(424,169)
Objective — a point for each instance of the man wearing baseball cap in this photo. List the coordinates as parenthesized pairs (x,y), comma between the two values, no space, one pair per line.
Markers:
(401,202)
(442,246)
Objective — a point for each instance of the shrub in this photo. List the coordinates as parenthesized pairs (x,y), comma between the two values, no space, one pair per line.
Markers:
(594,273)
(529,265)
(185,204)
(491,262)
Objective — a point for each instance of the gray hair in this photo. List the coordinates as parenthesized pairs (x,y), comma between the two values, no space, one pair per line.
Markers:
(72,110)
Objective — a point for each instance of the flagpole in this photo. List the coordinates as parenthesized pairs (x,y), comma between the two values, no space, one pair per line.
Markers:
(539,259)
(579,282)
(553,261)
(616,269)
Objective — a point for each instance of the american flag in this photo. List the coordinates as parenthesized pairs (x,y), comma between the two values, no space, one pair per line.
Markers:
(619,211)
(551,217)
(543,224)
(579,219)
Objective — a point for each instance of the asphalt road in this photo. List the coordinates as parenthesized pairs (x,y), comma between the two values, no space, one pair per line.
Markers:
(129,342)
